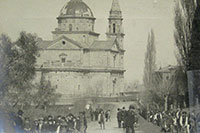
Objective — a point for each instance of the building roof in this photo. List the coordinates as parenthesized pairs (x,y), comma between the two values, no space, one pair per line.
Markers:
(115,6)
(167,69)
(76,8)
(115,11)
(97,45)
(102,44)
(43,44)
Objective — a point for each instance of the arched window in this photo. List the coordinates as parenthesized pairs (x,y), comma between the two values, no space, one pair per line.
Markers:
(110,30)
(114,85)
(114,28)
(70,27)
(114,60)
(63,59)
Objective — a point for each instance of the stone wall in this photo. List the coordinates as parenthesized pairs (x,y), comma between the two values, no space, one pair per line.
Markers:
(78,58)
(53,59)
(83,84)
(76,24)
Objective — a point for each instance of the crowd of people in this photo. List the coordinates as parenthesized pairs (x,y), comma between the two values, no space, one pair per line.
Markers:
(59,124)
(101,116)
(94,114)
(51,124)
(175,121)
(127,119)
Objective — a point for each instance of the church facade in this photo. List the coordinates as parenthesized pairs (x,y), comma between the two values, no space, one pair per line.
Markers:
(76,62)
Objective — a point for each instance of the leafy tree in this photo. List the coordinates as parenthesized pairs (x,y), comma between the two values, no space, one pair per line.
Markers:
(45,95)
(184,14)
(6,54)
(17,68)
(149,69)
(150,61)
(194,55)
(183,34)
(23,63)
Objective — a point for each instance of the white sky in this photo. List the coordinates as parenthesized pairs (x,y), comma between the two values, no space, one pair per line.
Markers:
(140,16)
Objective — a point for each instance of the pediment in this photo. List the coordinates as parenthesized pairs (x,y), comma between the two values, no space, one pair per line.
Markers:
(64,43)
(115,46)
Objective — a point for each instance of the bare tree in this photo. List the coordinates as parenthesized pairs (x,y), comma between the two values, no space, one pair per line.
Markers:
(163,89)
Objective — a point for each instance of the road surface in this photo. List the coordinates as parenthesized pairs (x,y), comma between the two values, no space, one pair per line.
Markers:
(111,127)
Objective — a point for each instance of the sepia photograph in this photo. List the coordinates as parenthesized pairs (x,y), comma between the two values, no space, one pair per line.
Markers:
(99,66)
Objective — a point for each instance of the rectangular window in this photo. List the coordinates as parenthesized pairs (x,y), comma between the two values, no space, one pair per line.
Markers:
(63,60)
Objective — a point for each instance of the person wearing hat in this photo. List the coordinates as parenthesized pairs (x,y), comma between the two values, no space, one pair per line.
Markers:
(82,122)
(27,125)
(184,122)
(35,128)
(101,120)
(130,119)
(44,125)
(123,112)
(19,122)
(40,124)
(119,117)
(51,125)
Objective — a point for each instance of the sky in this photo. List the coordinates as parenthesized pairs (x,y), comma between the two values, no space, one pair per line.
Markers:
(140,16)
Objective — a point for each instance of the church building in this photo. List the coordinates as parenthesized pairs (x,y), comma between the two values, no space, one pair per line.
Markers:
(76,62)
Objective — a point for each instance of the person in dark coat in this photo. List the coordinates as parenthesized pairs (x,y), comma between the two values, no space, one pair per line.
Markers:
(19,122)
(119,117)
(84,122)
(107,115)
(96,113)
(71,123)
(63,127)
(35,128)
(27,125)
(123,112)
(92,114)
(44,125)
(51,125)
(130,119)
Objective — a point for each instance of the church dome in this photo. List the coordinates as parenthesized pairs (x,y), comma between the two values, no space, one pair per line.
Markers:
(76,8)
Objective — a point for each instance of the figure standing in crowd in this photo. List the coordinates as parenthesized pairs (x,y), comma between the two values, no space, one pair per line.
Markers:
(119,117)
(35,127)
(83,123)
(174,121)
(123,117)
(130,119)
(96,113)
(18,122)
(101,120)
(27,125)
(92,114)
(184,122)
(107,115)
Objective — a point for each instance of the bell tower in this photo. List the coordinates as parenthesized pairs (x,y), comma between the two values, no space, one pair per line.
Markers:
(115,29)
